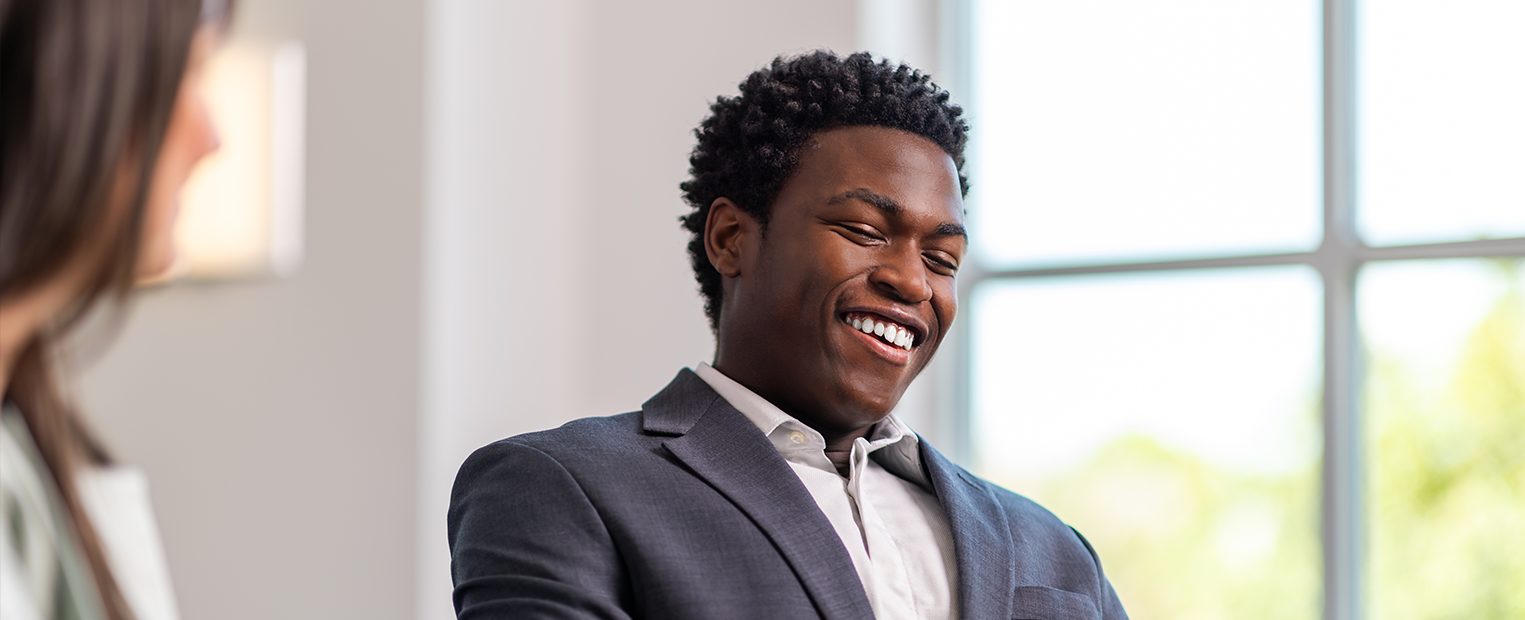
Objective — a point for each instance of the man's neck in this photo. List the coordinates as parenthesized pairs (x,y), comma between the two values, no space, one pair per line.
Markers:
(842,460)
(837,441)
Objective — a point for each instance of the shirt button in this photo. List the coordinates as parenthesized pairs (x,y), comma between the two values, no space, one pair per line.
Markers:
(797,437)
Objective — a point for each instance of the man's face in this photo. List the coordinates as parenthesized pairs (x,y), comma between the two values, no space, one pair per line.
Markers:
(868,231)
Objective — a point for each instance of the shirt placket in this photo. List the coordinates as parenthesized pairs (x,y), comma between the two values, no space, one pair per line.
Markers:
(892,585)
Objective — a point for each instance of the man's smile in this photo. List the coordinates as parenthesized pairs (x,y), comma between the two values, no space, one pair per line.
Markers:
(891,339)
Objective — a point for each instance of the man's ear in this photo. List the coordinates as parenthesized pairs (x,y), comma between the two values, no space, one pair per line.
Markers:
(727,234)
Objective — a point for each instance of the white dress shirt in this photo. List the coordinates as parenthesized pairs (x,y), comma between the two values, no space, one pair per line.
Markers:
(884,511)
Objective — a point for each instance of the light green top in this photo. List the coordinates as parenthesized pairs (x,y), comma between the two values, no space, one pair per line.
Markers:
(43,574)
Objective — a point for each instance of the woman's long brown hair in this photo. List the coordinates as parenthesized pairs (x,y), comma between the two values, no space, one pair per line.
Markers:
(87,88)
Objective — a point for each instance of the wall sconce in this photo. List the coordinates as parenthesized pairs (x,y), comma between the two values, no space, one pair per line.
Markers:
(241,212)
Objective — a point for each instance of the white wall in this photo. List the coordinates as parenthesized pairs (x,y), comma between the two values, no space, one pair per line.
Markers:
(276,420)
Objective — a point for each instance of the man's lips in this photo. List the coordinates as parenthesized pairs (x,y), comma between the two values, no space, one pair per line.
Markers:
(888,332)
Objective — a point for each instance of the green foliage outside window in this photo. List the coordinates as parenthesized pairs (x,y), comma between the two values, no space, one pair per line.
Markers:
(1182,538)
(1448,479)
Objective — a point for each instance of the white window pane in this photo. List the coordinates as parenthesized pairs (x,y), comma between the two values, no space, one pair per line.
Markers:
(1172,418)
(1110,130)
(1445,423)
(1441,120)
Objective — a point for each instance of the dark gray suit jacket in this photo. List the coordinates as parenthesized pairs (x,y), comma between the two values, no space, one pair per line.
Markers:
(684,510)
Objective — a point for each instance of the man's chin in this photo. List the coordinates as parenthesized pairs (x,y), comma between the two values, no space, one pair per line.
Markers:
(869,406)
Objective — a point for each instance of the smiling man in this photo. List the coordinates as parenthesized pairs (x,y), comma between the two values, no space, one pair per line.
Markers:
(827,232)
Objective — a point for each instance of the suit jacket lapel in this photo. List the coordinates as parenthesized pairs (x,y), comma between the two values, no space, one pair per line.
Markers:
(725,449)
(982,539)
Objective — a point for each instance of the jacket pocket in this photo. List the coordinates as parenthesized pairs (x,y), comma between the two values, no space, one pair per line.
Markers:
(1040,603)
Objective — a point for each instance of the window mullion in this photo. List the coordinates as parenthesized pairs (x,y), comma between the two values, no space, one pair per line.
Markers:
(1338,260)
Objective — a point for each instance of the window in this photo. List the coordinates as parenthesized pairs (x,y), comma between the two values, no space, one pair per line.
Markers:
(1246,302)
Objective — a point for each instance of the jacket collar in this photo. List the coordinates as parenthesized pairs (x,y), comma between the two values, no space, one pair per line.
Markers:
(982,539)
(713,438)
(727,450)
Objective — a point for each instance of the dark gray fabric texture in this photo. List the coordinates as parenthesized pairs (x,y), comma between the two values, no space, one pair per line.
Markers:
(683,510)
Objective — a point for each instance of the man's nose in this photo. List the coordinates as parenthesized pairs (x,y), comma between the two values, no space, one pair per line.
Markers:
(903,274)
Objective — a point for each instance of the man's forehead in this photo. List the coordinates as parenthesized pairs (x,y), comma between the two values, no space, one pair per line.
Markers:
(855,152)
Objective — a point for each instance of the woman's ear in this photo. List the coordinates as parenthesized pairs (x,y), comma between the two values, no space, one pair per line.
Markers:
(727,232)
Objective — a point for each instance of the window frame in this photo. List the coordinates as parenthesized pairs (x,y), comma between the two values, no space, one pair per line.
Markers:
(1338,260)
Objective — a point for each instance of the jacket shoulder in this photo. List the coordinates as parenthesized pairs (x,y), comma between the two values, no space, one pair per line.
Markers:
(1027,518)
(1026,511)
(581,434)
(1056,554)
(603,438)
(1036,524)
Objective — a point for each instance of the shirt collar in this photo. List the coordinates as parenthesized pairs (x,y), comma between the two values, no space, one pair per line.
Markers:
(890,443)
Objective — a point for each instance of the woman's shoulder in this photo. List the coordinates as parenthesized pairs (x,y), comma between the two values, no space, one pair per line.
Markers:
(45,575)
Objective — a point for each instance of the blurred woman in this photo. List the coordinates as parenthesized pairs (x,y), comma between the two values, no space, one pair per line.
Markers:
(101,121)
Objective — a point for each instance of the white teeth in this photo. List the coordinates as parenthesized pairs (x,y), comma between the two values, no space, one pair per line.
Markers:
(892,334)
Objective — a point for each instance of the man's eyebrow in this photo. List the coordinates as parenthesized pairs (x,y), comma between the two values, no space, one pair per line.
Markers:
(949,229)
(888,206)
(880,201)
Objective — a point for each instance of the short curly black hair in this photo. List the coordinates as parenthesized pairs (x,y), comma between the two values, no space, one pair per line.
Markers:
(750,144)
